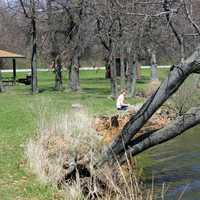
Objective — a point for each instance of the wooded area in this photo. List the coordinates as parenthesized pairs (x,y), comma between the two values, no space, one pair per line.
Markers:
(134,33)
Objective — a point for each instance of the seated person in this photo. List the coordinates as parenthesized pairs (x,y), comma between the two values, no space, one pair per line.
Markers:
(120,101)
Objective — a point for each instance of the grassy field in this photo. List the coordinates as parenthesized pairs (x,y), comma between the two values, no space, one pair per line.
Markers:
(18,123)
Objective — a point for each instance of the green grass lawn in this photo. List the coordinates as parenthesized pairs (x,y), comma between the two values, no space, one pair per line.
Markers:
(18,123)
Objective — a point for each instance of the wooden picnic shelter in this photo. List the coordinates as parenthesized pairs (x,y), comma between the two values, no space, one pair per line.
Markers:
(13,56)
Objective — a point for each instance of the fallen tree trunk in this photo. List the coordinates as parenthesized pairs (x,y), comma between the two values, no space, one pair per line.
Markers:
(110,127)
(175,78)
(172,130)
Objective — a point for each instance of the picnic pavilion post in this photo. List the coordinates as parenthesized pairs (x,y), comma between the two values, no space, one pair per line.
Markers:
(14,70)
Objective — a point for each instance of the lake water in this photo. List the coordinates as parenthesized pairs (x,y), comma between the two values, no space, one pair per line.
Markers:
(177,165)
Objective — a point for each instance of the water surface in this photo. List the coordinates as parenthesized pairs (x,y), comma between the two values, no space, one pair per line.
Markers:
(177,165)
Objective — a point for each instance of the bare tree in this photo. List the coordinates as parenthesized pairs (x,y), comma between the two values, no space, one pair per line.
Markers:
(108,27)
(79,35)
(30,13)
(116,35)
(53,45)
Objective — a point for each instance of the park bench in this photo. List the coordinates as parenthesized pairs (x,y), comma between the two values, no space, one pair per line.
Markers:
(8,81)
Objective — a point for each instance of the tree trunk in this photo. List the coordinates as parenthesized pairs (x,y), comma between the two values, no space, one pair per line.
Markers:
(122,69)
(74,83)
(107,66)
(53,47)
(32,17)
(172,130)
(131,76)
(138,71)
(1,84)
(113,78)
(34,86)
(58,79)
(170,85)
(154,73)
(58,74)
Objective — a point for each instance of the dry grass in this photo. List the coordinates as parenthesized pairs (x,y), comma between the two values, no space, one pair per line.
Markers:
(66,138)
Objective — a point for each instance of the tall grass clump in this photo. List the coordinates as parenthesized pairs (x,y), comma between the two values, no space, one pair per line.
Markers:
(63,154)
(60,140)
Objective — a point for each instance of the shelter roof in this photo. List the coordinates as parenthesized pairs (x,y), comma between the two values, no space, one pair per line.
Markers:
(7,54)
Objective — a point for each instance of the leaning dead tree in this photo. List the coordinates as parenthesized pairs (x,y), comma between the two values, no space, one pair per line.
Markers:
(125,142)
(172,130)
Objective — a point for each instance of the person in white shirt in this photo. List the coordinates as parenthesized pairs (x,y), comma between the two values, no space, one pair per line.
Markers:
(120,101)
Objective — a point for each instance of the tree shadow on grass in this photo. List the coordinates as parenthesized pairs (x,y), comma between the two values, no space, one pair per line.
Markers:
(96,91)
(94,82)
(49,89)
(94,79)
(143,80)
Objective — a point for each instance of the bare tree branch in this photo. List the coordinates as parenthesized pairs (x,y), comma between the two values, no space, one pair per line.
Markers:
(172,130)
(166,6)
(24,9)
(196,27)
